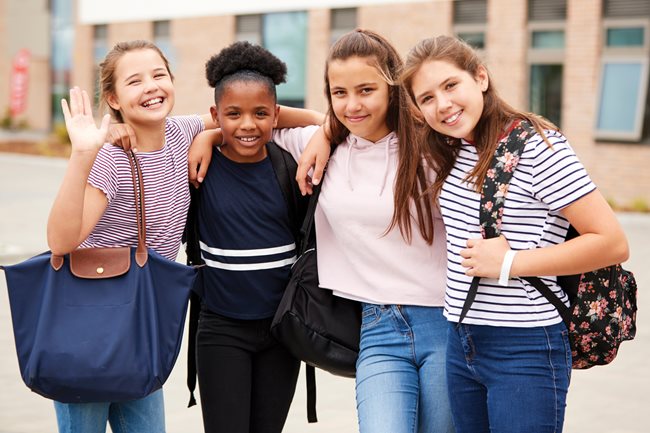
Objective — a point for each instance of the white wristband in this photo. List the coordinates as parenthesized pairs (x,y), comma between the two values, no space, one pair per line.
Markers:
(505,267)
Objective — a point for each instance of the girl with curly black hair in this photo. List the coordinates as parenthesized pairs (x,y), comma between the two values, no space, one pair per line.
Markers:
(245,229)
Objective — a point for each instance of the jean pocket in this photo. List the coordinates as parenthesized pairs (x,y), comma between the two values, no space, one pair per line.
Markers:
(370,315)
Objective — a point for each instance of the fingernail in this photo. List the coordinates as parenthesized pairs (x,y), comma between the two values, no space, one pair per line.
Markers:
(315,181)
(200,179)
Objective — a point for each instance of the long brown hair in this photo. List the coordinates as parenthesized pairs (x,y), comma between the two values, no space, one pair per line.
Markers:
(108,66)
(410,180)
(497,114)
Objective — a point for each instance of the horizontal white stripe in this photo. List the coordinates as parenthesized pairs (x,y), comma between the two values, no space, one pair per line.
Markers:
(248,266)
(248,253)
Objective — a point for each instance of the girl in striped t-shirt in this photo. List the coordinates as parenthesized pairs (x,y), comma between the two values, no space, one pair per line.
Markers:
(95,206)
(509,363)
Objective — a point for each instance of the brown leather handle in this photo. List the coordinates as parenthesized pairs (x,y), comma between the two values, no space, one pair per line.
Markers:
(141,254)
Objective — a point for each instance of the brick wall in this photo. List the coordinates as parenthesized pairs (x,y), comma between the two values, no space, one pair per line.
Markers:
(620,170)
(16,16)
(5,66)
(506,48)
(405,24)
(195,41)
(318,43)
(83,66)
(128,31)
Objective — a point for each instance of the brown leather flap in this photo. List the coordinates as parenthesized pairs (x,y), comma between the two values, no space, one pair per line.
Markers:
(100,262)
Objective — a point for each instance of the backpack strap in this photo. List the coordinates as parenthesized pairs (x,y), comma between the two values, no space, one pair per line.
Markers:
(285,168)
(193,252)
(310,376)
(308,239)
(494,190)
(301,216)
(545,291)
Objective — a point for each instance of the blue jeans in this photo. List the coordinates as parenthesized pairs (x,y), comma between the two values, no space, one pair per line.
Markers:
(145,415)
(508,380)
(400,382)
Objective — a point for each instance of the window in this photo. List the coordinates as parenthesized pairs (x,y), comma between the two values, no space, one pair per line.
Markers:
(342,21)
(162,39)
(546,10)
(623,88)
(62,49)
(626,8)
(623,103)
(547,39)
(100,49)
(546,91)
(249,28)
(625,37)
(546,22)
(470,17)
(285,35)
(623,111)
(100,42)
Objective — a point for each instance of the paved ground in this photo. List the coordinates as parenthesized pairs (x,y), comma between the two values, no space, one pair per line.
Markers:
(612,399)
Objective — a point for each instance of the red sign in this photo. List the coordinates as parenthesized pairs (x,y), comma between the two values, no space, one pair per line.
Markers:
(19,82)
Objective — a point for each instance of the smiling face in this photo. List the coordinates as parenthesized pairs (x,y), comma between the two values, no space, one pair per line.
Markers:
(450,99)
(143,88)
(359,97)
(246,113)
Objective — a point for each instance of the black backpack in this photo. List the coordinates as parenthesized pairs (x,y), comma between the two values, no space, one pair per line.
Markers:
(602,311)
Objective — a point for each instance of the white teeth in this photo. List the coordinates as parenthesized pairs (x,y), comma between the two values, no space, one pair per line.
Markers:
(248,139)
(452,118)
(150,102)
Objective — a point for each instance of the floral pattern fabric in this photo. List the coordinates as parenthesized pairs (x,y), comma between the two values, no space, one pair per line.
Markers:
(603,315)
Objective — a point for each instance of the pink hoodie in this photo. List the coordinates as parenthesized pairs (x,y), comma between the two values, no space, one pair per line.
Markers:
(357,259)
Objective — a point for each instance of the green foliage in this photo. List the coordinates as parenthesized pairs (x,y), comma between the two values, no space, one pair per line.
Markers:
(612,203)
(6,122)
(639,205)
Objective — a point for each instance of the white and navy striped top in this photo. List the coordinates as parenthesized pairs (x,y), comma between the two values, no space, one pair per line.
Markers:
(545,181)
(166,191)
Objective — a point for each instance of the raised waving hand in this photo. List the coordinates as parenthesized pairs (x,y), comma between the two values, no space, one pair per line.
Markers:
(80,123)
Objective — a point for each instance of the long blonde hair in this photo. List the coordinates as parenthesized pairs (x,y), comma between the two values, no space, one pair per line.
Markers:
(497,114)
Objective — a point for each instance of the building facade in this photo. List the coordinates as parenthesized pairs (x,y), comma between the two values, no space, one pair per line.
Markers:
(581,63)
(15,17)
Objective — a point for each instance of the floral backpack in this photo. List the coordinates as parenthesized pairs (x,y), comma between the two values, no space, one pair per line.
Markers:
(602,311)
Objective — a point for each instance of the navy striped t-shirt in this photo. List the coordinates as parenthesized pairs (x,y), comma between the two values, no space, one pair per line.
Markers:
(245,237)
(545,181)
(166,191)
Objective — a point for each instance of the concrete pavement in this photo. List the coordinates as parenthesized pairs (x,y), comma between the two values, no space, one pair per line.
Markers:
(611,399)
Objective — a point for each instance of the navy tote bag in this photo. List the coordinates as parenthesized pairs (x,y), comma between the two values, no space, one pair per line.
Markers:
(99,324)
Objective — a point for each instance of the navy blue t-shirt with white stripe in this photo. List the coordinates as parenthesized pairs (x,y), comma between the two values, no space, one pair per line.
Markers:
(245,238)
(546,180)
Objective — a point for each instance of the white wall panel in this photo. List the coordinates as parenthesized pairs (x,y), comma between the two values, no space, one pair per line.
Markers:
(102,11)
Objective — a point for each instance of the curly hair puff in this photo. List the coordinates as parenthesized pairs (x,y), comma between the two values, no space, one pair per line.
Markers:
(243,61)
